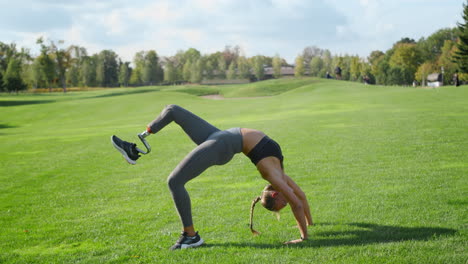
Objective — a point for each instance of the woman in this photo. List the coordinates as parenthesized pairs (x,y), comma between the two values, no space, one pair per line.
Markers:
(216,147)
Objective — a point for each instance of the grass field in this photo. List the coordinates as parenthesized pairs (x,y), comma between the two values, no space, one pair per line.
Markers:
(385,170)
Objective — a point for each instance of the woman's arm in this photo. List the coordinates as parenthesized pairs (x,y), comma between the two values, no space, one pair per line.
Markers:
(298,191)
(296,204)
(273,173)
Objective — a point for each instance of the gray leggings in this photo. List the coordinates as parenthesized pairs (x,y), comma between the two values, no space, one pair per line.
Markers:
(215,147)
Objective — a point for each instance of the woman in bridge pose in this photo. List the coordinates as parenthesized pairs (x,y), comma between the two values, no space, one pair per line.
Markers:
(217,147)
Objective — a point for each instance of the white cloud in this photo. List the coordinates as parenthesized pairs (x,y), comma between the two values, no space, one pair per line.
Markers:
(259,27)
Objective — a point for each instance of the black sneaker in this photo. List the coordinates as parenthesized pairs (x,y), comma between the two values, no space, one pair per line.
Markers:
(187,241)
(128,150)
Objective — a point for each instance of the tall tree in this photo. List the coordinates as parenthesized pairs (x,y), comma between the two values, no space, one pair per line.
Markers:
(124,74)
(355,68)
(258,68)
(151,70)
(62,61)
(170,72)
(231,73)
(12,78)
(327,61)
(374,59)
(107,69)
(187,71)
(209,68)
(299,69)
(46,64)
(310,52)
(191,55)
(446,60)
(231,54)
(277,63)
(243,68)
(431,47)
(461,55)
(72,76)
(407,58)
(222,65)
(196,71)
(88,71)
(316,65)
(424,70)
(76,58)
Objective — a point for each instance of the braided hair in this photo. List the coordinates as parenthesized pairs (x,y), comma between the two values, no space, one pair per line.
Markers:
(267,201)
(254,232)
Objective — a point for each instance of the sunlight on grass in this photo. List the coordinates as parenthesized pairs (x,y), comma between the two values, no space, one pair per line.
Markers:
(384,169)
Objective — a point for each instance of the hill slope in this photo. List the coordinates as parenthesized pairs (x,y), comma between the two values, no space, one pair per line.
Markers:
(384,169)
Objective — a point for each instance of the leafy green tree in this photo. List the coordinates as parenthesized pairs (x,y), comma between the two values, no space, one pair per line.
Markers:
(258,68)
(299,70)
(231,73)
(399,76)
(152,71)
(76,57)
(406,40)
(381,71)
(430,48)
(243,68)
(407,58)
(209,68)
(327,62)
(231,54)
(366,73)
(4,59)
(12,79)
(221,67)
(374,59)
(170,72)
(9,52)
(192,55)
(46,64)
(187,71)
(107,69)
(355,68)
(124,74)
(446,60)
(196,71)
(345,65)
(461,55)
(424,70)
(310,52)
(62,62)
(136,76)
(316,66)
(73,75)
(88,71)
(36,77)
(277,63)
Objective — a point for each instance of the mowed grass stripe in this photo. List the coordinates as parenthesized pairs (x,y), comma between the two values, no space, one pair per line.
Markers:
(384,169)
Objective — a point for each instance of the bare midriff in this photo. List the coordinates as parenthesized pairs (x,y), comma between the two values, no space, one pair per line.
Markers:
(250,138)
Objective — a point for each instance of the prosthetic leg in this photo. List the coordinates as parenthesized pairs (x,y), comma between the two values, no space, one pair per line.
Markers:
(142,137)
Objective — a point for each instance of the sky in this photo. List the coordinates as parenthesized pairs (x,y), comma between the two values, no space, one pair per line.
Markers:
(259,27)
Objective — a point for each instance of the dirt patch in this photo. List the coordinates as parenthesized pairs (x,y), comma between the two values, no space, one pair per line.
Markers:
(213,97)
(220,97)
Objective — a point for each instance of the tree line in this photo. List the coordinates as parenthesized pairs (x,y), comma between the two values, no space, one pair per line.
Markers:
(56,66)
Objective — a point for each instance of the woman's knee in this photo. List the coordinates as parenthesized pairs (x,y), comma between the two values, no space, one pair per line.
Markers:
(172,107)
(174,183)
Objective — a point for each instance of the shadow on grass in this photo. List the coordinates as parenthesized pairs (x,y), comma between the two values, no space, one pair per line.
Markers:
(2,126)
(366,234)
(23,102)
(125,93)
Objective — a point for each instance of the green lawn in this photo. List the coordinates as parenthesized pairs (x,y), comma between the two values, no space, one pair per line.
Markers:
(385,170)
